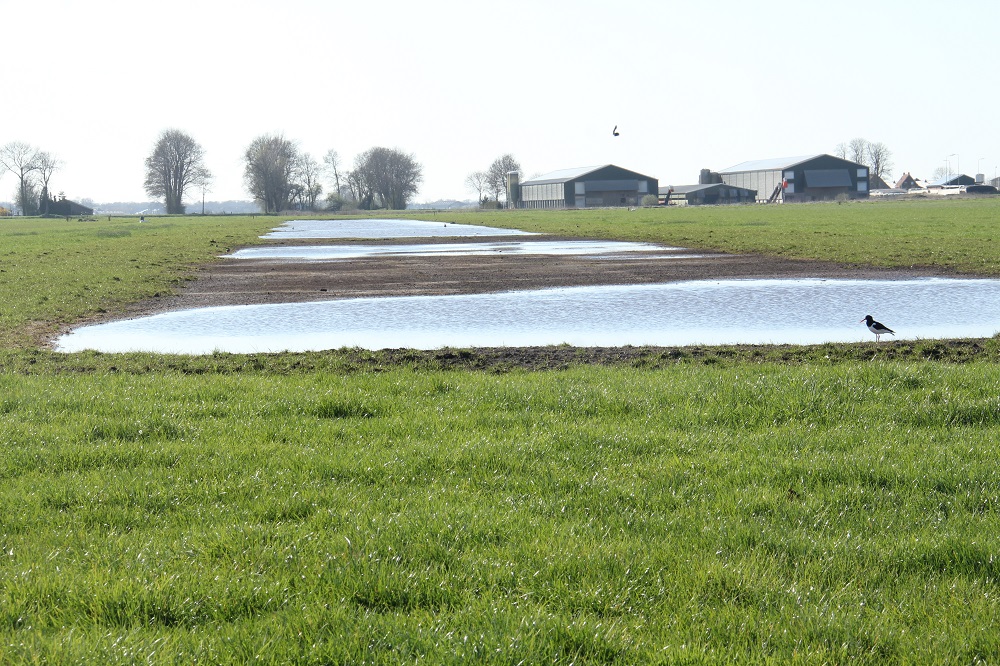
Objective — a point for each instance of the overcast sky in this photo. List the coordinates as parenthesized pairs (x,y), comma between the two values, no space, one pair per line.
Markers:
(457,83)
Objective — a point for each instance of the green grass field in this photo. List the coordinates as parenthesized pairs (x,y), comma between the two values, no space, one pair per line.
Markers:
(53,271)
(827,505)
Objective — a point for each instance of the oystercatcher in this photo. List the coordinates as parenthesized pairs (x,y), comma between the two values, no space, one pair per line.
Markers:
(877,327)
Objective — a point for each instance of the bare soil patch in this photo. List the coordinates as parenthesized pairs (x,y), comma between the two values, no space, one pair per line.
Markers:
(261,281)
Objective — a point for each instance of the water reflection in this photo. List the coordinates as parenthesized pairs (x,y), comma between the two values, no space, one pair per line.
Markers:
(698,312)
(330,252)
(384,228)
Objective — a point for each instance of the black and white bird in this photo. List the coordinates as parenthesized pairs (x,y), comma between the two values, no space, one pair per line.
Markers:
(877,327)
(615,131)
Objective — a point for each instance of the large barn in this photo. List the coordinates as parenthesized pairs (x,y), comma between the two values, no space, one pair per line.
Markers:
(807,178)
(584,187)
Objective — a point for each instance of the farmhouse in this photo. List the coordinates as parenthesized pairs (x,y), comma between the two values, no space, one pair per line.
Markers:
(583,187)
(877,183)
(807,178)
(908,182)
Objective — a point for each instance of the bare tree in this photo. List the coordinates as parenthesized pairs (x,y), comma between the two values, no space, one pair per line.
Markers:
(205,186)
(331,164)
(358,188)
(857,149)
(879,160)
(21,159)
(874,155)
(496,175)
(477,182)
(47,165)
(269,169)
(29,197)
(306,176)
(385,178)
(176,165)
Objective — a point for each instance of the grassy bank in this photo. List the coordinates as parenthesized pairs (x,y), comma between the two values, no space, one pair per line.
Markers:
(951,235)
(701,513)
(54,272)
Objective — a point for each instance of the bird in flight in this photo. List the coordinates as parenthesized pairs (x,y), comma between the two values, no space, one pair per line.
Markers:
(615,131)
(877,327)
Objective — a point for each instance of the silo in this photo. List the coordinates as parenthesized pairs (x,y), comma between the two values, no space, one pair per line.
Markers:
(513,189)
(709,177)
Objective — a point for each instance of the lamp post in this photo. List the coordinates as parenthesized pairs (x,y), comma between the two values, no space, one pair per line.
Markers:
(957,168)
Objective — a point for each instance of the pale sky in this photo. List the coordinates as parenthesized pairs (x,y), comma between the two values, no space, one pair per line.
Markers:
(457,83)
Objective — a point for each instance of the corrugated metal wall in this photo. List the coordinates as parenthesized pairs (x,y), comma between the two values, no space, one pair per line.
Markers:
(763,181)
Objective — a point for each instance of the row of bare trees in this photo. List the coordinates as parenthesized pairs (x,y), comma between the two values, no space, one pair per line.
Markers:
(33,169)
(873,154)
(276,173)
(281,177)
(491,184)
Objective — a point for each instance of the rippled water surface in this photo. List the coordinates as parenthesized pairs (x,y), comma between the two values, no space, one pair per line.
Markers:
(384,228)
(333,252)
(683,313)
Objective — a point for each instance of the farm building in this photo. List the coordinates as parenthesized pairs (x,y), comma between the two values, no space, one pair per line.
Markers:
(958,180)
(807,178)
(908,182)
(65,207)
(584,187)
(705,193)
(876,183)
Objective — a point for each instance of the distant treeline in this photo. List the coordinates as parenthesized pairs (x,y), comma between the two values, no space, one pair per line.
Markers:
(194,208)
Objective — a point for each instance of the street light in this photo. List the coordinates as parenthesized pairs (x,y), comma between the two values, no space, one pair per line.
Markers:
(958,169)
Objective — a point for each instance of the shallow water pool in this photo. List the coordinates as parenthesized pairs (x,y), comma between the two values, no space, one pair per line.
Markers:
(805,311)
(384,228)
(337,252)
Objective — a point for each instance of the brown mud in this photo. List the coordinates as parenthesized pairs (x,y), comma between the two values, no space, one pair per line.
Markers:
(259,281)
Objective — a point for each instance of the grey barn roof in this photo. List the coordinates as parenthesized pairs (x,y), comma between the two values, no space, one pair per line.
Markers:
(957,179)
(773,164)
(562,175)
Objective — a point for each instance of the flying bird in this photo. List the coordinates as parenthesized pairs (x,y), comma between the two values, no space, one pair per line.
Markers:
(877,327)
(615,131)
